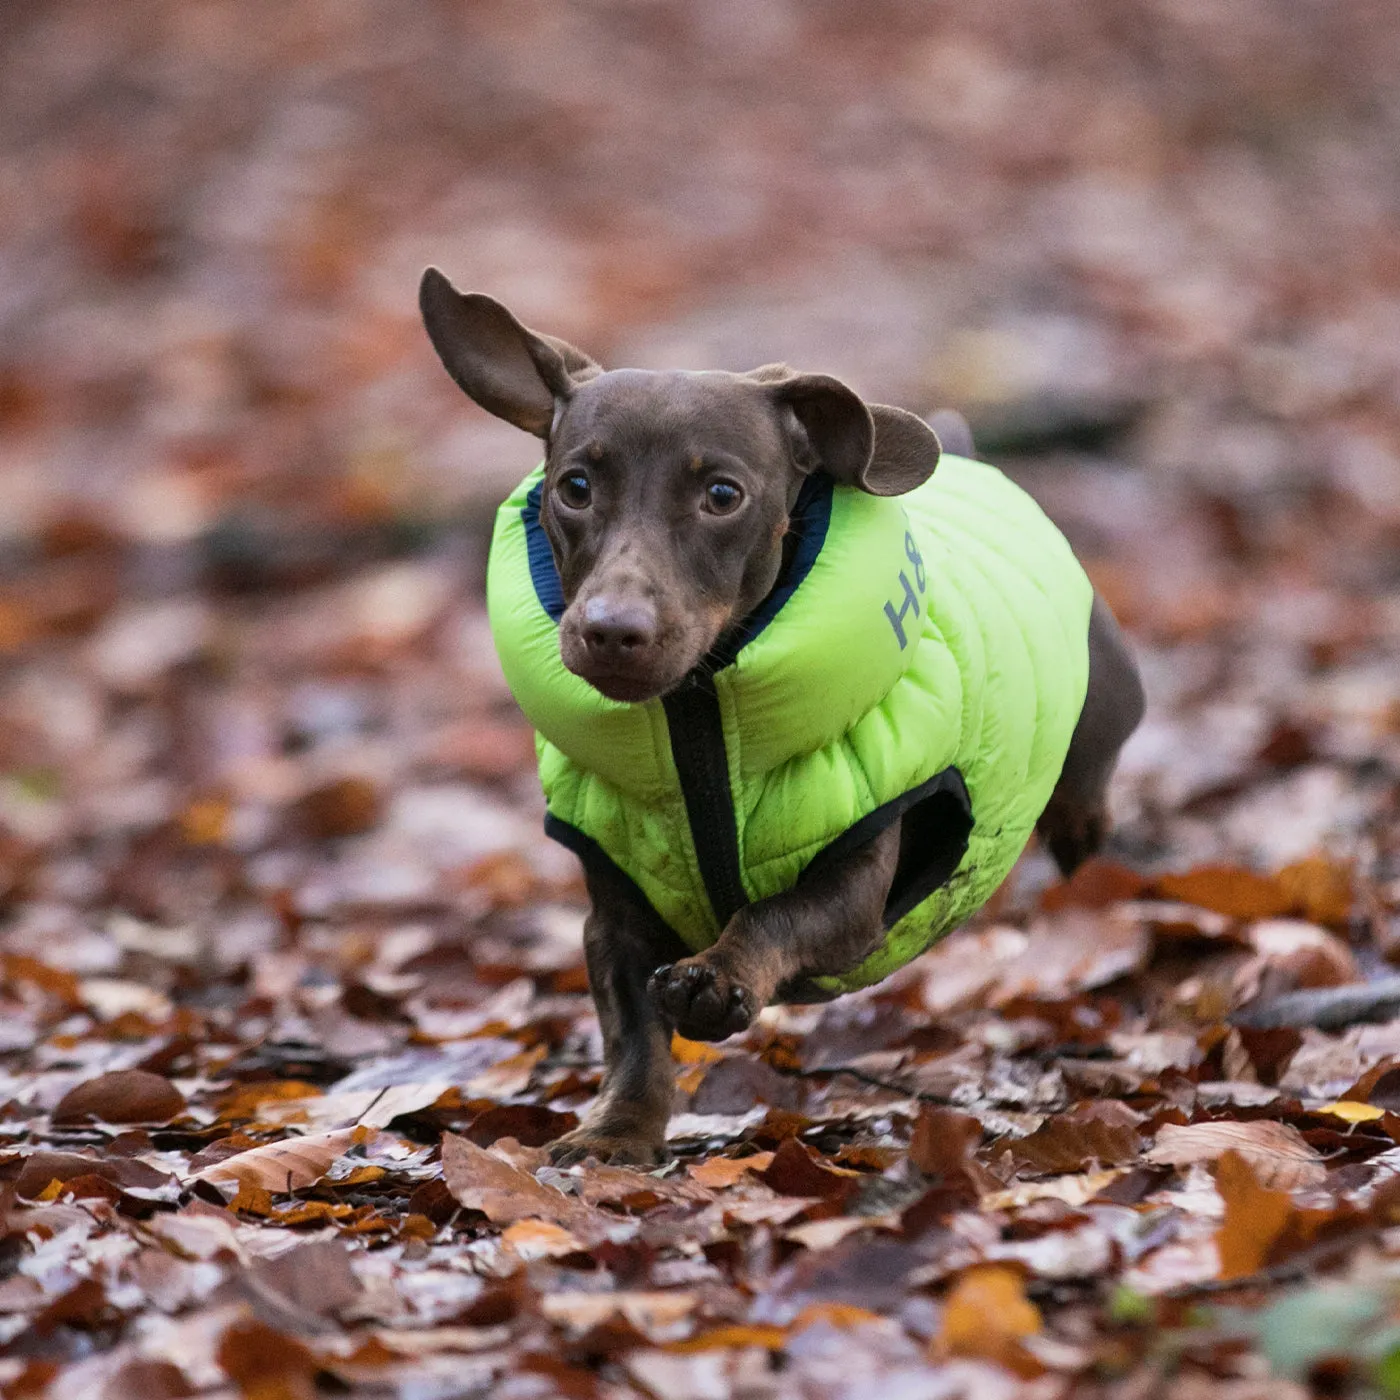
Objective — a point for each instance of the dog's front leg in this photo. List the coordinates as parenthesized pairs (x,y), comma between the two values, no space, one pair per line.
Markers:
(623,946)
(820,927)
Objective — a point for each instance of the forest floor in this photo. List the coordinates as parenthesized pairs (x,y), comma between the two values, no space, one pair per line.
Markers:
(291,989)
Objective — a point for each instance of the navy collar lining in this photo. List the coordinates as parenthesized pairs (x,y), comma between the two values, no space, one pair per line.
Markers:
(809,522)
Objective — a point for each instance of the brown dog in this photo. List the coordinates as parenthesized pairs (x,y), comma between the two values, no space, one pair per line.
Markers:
(666,503)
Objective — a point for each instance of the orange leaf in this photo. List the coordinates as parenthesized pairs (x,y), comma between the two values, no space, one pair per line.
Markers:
(1319,889)
(19,967)
(540,1239)
(986,1316)
(1229,890)
(1255,1216)
(243,1102)
(739,1334)
(693,1052)
(836,1314)
(251,1200)
(719,1172)
(205,822)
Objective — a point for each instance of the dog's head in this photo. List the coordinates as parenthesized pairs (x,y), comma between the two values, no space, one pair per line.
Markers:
(666,494)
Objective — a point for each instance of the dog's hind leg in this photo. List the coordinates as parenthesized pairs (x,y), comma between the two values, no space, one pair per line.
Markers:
(1075,821)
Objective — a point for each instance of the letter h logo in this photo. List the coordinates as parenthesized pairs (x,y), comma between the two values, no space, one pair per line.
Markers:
(910,602)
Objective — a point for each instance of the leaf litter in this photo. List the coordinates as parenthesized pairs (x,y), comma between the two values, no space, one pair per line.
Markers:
(292,984)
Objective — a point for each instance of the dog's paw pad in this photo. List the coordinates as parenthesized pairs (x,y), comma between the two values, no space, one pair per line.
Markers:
(701,1002)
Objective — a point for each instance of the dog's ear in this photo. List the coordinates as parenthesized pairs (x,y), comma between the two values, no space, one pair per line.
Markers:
(878,449)
(906,451)
(509,370)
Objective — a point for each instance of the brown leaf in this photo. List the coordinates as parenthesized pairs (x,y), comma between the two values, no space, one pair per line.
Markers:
(345,807)
(943,1140)
(1102,1131)
(1276,1152)
(141,1379)
(480,1180)
(284,1166)
(1309,954)
(1095,885)
(943,1147)
(40,1168)
(259,1360)
(797,1171)
(123,1096)
(314,1277)
(638,1191)
(1255,1216)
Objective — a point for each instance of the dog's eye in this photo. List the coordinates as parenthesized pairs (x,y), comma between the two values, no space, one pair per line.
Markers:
(574,490)
(722,497)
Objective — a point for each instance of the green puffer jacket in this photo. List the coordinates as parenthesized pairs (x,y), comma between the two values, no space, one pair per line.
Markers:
(924,656)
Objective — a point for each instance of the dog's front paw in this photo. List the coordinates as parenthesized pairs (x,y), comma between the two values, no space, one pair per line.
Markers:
(700,1001)
(619,1149)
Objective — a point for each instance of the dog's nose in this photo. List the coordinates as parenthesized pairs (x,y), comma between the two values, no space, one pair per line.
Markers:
(615,629)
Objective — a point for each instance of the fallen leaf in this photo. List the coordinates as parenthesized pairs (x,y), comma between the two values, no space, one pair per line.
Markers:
(1276,1152)
(1229,890)
(744,1334)
(719,1172)
(345,807)
(693,1052)
(1255,1216)
(797,1171)
(1319,889)
(263,1361)
(654,1314)
(280,1167)
(316,1277)
(986,1316)
(1349,1111)
(1102,1132)
(42,1167)
(823,1234)
(1071,1190)
(540,1239)
(123,1096)
(481,1180)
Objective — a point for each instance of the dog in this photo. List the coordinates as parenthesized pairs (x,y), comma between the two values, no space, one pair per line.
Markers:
(804,683)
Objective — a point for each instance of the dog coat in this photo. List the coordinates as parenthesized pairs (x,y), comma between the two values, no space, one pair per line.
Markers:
(923,656)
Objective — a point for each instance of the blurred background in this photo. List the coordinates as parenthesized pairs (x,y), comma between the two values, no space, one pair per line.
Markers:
(1150,248)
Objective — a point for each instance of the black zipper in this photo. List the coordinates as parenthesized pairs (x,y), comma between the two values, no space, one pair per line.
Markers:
(702,765)
(697,729)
